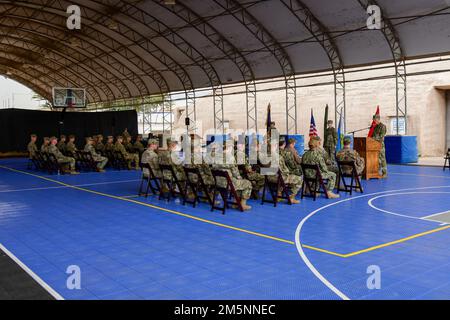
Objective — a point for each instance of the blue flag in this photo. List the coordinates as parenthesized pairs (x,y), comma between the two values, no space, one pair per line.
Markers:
(340,135)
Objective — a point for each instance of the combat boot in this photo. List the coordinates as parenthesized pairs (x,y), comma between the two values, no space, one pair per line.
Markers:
(245,206)
(293,200)
(332,195)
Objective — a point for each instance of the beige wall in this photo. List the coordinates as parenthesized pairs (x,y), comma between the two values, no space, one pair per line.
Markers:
(426,105)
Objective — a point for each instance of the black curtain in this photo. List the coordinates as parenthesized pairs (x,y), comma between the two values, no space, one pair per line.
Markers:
(16,125)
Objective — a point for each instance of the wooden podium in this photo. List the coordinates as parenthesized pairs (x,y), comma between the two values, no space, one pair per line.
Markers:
(369,149)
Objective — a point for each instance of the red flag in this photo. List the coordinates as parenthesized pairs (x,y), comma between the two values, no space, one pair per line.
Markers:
(374,124)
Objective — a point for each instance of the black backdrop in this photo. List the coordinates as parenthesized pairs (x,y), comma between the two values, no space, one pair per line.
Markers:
(16,125)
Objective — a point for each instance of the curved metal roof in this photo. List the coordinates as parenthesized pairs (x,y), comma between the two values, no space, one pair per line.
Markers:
(134,48)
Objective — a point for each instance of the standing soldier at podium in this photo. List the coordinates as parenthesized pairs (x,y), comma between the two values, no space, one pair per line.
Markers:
(379,133)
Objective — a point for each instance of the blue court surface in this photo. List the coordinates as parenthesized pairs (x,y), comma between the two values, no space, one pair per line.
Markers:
(129,247)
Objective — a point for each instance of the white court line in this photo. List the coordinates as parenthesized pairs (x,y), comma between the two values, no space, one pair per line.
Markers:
(370,203)
(419,175)
(64,187)
(41,282)
(302,223)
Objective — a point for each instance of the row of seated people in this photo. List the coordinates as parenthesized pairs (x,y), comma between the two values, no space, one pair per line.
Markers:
(172,175)
(121,152)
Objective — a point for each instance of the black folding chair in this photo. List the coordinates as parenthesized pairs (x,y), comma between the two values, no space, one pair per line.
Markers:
(447,160)
(198,187)
(315,184)
(347,169)
(273,188)
(53,165)
(152,182)
(227,193)
(170,180)
(120,161)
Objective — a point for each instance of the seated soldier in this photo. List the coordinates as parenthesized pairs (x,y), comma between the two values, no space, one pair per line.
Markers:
(151,157)
(129,157)
(32,148)
(101,161)
(71,148)
(348,154)
(45,144)
(199,162)
(62,144)
(128,145)
(62,159)
(171,157)
(138,147)
(255,178)
(99,146)
(293,182)
(109,146)
(243,187)
(292,159)
(315,156)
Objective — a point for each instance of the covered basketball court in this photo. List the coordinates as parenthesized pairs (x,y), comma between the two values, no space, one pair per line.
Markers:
(132,247)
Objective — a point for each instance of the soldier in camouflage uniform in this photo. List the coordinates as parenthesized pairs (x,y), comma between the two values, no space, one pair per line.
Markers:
(348,155)
(62,144)
(242,186)
(151,157)
(331,140)
(69,161)
(99,146)
(315,156)
(293,182)
(171,157)
(126,134)
(44,146)
(292,158)
(138,146)
(32,148)
(254,177)
(128,145)
(129,157)
(71,148)
(100,160)
(109,146)
(378,134)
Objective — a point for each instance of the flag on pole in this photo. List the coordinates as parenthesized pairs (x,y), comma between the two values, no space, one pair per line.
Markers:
(340,135)
(269,118)
(325,121)
(312,126)
(372,127)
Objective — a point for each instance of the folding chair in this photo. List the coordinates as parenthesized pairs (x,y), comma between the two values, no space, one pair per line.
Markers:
(41,162)
(355,181)
(447,160)
(273,188)
(313,185)
(151,178)
(120,161)
(53,165)
(88,161)
(227,193)
(172,183)
(197,186)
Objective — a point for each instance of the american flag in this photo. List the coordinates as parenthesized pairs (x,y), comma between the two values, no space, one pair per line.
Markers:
(312,126)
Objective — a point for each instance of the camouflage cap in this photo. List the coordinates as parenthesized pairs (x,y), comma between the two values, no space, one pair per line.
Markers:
(110,137)
(291,140)
(89,139)
(119,137)
(347,140)
(170,141)
(153,141)
(63,136)
(316,138)
(53,138)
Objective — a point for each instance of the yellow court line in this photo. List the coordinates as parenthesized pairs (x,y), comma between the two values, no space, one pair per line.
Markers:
(262,235)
